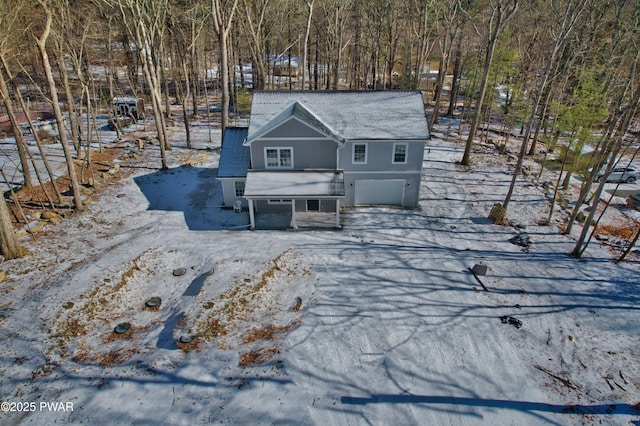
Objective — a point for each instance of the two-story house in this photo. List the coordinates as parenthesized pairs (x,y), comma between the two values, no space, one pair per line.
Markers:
(310,151)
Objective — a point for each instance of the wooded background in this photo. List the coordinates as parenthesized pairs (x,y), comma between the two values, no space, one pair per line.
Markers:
(559,71)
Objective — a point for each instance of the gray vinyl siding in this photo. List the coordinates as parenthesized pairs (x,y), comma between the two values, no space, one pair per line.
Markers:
(307,153)
(294,128)
(411,187)
(263,206)
(229,191)
(380,156)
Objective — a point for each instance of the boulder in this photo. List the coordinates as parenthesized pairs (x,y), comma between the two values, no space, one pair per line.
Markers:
(48,215)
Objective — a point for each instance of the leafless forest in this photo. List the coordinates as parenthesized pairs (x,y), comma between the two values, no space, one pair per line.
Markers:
(559,75)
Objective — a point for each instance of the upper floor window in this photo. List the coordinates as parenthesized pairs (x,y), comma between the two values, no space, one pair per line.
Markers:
(359,153)
(399,153)
(279,158)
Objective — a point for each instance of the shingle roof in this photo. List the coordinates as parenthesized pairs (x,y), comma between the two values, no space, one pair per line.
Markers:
(234,157)
(352,115)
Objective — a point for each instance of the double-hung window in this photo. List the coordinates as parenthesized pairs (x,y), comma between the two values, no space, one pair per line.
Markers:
(279,158)
(239,187)
(399,153)
(359,153)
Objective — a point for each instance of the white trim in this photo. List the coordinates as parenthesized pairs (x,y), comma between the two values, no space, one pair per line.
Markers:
(381,172)
(393,153)
(353,153)
(235,188)
(252,219)
(278,149)
(297,138)
(294,225)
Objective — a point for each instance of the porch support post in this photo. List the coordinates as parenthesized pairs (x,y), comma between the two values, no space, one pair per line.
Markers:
(252,219)
(294,225)
(337,212)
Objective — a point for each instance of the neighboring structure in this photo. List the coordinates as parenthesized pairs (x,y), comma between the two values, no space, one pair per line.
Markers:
(128,107)
(317,151)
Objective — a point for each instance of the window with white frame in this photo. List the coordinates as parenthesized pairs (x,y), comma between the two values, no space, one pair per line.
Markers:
(239,187)
(359,153)
(279,202)
(278,158)
(400,153)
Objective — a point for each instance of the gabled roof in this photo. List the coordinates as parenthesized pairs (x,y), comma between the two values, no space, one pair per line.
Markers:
(348,115)
(235,158)
(301,112)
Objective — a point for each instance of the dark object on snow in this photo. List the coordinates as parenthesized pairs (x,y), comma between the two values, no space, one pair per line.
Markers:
(478,279)
(480,269)
(179,272)
(298,304)
(187,339)
(153,302)
(523,240)
(121,328)
(497,213)
(511,320)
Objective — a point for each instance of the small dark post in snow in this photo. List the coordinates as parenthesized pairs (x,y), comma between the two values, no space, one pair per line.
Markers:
(478,279)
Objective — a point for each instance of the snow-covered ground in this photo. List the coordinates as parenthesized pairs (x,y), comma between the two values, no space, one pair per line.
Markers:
(378,323)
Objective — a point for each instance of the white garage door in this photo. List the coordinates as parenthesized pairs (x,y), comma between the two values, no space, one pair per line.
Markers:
(382,191)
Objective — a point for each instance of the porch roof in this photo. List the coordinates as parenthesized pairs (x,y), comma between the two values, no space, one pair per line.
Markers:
(294,184)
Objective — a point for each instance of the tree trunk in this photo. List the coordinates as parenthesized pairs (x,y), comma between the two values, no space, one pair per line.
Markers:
(221,26)
(75,186)
(455,84)
(43,155)
(484,82)
(632,244)
(565,27)
(9,246)
(17,132)
(73,118)
(305,48)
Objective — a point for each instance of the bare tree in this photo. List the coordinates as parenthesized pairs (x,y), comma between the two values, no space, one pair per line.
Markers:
(499,13)
(42,41)
(448,26)
(254,24)
(569,18)
(17,132)
(9,246)
(223,12)
(305,49)
(143,20)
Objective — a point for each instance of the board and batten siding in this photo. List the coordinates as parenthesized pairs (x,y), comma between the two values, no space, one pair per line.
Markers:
(307,153)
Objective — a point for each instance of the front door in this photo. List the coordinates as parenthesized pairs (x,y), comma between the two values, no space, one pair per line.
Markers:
(313,205)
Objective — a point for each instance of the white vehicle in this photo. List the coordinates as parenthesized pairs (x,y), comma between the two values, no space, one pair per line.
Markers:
(620,174)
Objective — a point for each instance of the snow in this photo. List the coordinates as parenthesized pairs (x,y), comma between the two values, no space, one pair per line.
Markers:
(294,184)
(352,115)
(379,323)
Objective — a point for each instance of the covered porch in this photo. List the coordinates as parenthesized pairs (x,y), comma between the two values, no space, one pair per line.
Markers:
(287,199)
